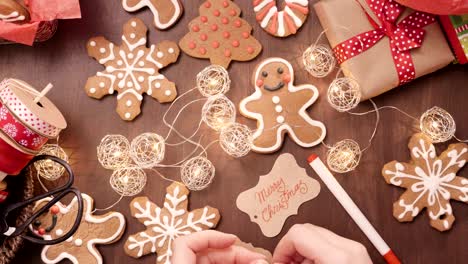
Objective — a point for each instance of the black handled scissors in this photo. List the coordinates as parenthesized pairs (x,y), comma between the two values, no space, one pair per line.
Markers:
(59,193)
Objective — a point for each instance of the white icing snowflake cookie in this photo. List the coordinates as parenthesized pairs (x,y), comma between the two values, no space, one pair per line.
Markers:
(430,181)
(81,247)
(165,224)
(132,69)
(165,12)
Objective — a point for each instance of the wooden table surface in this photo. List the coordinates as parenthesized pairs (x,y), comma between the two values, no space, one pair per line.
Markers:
(63,61)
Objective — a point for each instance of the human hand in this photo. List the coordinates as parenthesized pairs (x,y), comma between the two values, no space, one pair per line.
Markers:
(309,244)
(212,247)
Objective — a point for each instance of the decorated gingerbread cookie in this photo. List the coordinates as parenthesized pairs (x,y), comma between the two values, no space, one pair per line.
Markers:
(281,23)
(165,224)
(430,182)
(81,247)
(219,34)
(12,11)
(165,12)
(132,69)
(280,107)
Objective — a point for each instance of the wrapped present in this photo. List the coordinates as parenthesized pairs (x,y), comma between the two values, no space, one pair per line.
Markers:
(439,7)
(456,29)
(382,44)
(29,21)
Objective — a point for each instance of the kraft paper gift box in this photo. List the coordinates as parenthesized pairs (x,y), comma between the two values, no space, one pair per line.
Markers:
(375,69)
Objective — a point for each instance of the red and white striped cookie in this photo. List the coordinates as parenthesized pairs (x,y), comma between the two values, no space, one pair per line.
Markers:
(281,23)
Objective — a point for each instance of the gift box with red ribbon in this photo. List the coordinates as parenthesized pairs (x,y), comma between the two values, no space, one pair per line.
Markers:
(382,44)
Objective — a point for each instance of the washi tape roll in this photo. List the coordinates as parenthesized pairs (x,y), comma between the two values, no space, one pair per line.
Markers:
(22,135)
(43,117)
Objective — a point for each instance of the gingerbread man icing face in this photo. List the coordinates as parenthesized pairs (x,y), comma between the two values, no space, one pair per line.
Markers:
(81,247)
(273,76)
(280,108)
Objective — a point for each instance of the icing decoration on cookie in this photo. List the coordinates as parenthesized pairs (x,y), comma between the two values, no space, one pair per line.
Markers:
(165,12)
(165,224)
(281,23)
(81,247)
(219,34)
(11,11)
(430,181)
(132,69)
(278,195)
(280,107)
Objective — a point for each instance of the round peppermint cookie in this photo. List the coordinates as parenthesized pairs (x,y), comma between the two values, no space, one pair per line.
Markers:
(281,23)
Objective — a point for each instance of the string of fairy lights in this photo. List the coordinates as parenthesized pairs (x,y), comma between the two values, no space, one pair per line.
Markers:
(129,161)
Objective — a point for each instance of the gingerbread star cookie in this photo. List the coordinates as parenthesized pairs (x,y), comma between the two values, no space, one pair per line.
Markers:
(132,69)
(81,247)
(12,11)
(219,34)
(430,181)
(165,12)
(165,224)
(280,107)
(281,23)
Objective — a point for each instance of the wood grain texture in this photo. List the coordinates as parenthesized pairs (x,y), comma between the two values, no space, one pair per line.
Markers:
(64,62)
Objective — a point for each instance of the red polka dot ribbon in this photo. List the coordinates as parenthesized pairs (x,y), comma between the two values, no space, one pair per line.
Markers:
(14,129)
(403,36)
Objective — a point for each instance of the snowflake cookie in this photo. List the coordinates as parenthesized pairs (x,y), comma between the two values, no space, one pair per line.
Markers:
(132,69)
(430,181)
(165,224)
(81,247)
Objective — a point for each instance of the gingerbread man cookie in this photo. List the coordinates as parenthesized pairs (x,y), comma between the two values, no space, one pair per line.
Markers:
(280,107)
(219,34)
(12,11)
(430,181)
(281,23)
(132,69)
(165,224)
(165,12)
(81,247)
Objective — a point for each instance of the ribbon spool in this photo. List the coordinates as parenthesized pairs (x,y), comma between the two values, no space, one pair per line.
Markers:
(34,116)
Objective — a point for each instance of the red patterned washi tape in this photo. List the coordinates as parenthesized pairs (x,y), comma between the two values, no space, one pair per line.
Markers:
(18,132)
(23,113)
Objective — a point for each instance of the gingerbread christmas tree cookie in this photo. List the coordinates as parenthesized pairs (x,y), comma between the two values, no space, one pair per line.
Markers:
(219,34)
(165,224)
(430,181)
(81,247)
(132,69)
(280,108)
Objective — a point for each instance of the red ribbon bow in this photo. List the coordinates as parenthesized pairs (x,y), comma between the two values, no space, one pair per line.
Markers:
(404,36)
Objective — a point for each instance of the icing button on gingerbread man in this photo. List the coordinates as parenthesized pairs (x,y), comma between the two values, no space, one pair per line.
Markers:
(280,107)
(81,247)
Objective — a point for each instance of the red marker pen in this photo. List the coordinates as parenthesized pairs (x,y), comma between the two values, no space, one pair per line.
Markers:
(352,209)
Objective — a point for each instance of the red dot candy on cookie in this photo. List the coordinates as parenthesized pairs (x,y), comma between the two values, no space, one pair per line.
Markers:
(93,230)
(227,28)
